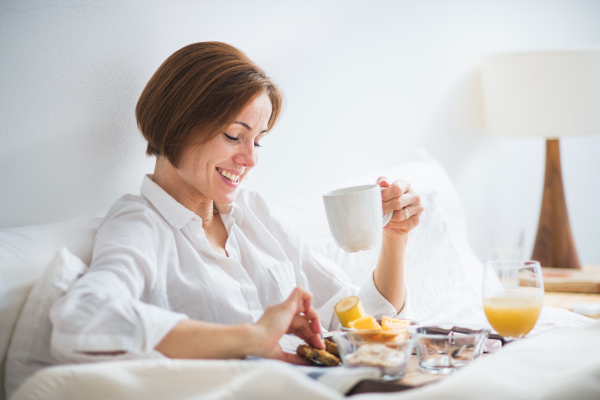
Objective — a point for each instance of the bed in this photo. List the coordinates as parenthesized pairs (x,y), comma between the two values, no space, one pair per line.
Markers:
(443,276)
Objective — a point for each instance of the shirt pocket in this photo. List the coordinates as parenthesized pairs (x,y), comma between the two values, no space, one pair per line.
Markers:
(285,278)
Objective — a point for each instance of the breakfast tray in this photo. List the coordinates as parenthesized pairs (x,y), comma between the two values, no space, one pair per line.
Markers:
(413,378)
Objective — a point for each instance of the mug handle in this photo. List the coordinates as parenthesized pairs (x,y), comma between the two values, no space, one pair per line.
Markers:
(388,215)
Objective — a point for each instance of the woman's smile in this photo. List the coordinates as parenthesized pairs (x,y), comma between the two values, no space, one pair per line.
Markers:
(231,178)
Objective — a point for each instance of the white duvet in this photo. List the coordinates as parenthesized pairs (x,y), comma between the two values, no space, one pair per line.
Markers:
(562,364)
(444,280)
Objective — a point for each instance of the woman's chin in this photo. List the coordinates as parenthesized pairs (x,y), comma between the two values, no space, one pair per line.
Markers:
(226,192)
(225,199)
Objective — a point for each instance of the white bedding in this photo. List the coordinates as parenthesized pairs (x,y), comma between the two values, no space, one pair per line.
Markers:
(172,380)
(443,276)
(561,364)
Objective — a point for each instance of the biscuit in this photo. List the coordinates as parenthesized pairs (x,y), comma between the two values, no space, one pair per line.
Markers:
(317,355)
(331,347)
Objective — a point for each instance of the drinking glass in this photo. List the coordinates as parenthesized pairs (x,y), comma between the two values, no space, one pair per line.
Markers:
(507,244)
(513,295)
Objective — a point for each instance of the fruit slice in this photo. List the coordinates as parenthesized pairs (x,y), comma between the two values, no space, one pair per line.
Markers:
(348,310)
(388,323)
(367,322)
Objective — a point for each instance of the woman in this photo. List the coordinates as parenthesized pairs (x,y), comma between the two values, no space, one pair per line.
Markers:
(196,267)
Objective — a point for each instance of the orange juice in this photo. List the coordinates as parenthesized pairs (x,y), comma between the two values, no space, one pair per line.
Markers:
(513,314)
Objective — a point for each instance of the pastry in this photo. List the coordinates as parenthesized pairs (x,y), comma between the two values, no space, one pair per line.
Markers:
(317,355)
(331,347)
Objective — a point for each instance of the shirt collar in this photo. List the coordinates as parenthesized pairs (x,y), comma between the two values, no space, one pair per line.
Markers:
(174,212)
(233,210)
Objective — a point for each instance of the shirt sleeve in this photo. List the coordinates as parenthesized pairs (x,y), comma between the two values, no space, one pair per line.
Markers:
(322,277)
(103,311)
(372,300)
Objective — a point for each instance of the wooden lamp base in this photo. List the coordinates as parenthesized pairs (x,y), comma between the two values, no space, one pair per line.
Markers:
(554,245)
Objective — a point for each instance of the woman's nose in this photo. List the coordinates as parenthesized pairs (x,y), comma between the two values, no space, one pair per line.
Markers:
(248,156)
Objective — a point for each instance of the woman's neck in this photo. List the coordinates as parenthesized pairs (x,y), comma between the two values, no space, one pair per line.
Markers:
(166,176)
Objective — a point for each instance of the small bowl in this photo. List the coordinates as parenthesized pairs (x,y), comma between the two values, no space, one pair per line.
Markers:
(444,348)
(390,357)
(392,335)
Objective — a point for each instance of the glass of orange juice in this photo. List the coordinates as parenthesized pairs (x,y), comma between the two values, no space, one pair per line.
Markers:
(513,295)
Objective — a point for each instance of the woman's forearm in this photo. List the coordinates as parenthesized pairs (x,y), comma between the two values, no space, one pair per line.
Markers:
(204,340)
(389,273)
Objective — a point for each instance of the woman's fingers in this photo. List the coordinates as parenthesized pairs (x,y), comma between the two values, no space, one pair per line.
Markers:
(308,310)
(302,328)
(405,225)
(399,198)
(294,359)
(383,181)
(313,316)
(407,199)
(396,189)
(295,315)
(295,300)
(278,354)
(305,322)
(413,211)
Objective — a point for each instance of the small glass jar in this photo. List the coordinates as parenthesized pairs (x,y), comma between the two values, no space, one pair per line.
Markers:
(358,349)
(444,348)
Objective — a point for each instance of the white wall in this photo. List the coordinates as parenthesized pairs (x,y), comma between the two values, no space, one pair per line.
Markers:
(365,81)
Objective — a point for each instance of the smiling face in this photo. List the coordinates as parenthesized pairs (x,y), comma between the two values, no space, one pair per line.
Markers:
(214,170)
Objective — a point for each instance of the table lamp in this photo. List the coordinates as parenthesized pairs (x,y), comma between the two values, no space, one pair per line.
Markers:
(550,94)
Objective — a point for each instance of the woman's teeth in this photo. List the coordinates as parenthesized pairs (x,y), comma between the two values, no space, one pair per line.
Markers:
(231,177)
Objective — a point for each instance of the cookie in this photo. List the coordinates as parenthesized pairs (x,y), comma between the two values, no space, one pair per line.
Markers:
(331,347)
(317,355)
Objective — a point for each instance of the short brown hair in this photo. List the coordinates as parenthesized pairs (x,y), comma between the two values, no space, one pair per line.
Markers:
(204,85)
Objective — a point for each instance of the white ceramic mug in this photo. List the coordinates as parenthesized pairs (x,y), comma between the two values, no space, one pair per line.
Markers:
(355,216)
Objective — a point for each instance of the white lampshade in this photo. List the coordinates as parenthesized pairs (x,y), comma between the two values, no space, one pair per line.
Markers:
(543,93)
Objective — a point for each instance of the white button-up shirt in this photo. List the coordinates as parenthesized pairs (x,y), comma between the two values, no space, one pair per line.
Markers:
(153,266)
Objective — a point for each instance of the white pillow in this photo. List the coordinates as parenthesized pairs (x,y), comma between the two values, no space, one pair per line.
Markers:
(29,349)
(442,273)
(24,253)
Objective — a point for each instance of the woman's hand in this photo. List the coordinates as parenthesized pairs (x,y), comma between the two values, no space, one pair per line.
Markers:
(206,340)
(295,315)
(400,198)
(388,276)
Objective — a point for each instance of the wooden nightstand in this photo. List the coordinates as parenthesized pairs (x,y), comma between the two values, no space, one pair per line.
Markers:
(565,288)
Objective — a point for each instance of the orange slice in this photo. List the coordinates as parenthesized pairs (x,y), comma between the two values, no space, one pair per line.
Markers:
(392,324)
(367,322)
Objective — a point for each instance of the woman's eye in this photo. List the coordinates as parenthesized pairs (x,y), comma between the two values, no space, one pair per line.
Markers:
(234,139)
